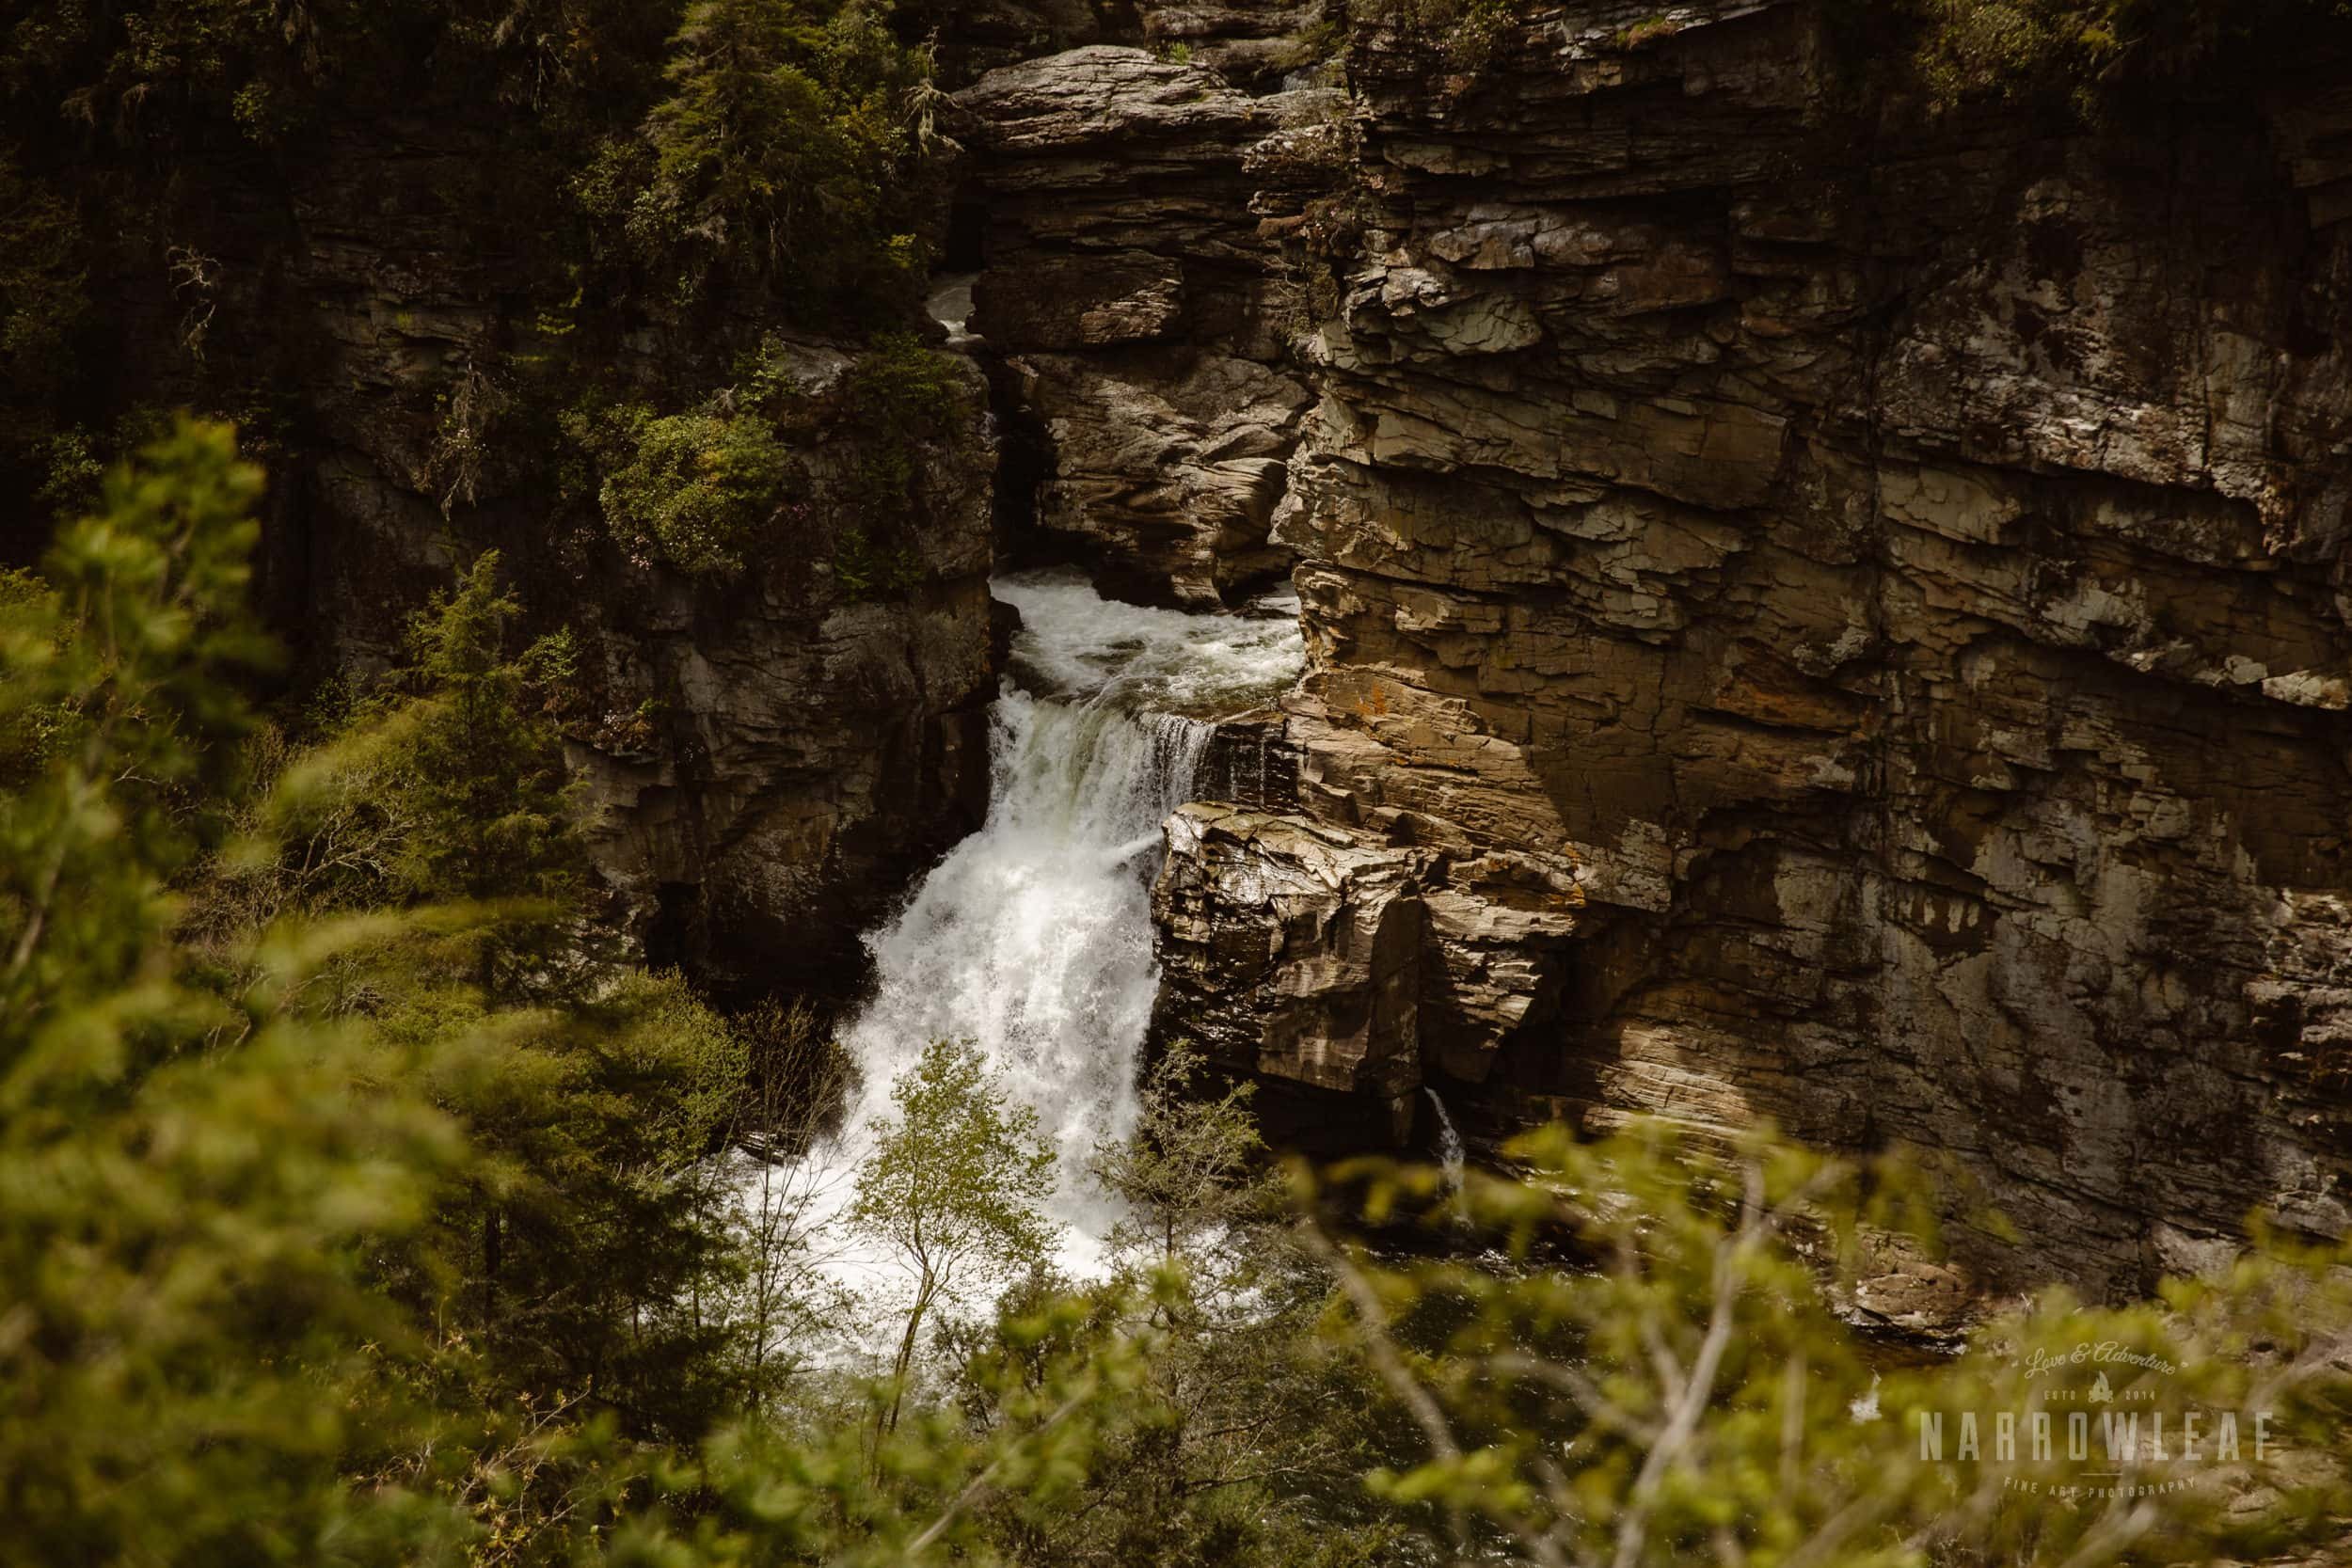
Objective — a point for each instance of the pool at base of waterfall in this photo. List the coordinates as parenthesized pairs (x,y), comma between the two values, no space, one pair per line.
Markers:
(1032,938)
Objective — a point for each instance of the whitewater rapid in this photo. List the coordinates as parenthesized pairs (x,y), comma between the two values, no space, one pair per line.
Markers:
(1033,937)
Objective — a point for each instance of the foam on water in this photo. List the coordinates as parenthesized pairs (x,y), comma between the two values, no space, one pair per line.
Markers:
(1033,937)
(1077,647)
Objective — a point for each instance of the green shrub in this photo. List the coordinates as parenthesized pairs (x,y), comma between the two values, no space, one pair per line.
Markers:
(694,489)
(1961,50)
(1463,33)
(900,396)
(2086,54)
(867,570)
(72,473)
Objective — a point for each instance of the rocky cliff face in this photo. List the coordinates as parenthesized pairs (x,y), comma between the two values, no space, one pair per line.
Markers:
(1143,324)
(1817,615)
(767,756)
(807,745)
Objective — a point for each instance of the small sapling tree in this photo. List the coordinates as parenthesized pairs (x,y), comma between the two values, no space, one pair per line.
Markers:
(955,1189)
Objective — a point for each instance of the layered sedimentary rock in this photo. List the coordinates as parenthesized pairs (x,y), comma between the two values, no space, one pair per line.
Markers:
(1295,949)
(1827,617)
(1259,44)
(1144,326)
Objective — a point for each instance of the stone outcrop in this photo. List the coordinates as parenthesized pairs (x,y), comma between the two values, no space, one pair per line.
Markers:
(1825,617)
(1143,324)
(1263,45)
(1293,950)
(1260,44)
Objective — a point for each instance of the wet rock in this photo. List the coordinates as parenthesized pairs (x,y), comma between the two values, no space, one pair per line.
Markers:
(1249,762)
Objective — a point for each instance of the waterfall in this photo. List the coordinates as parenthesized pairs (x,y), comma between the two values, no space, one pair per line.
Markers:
(1450,1151)
(1033,937)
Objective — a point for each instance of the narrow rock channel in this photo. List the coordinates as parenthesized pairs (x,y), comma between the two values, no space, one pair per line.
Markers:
(1033,937)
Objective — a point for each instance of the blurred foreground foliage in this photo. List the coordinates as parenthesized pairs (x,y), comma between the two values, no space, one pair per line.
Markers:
(1692,1388)
(357,1205)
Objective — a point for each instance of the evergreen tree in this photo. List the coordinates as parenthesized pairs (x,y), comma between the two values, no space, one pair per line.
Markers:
(587,1251)
(787,150)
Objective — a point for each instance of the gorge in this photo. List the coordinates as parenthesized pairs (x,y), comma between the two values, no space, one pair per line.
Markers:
(1812,615)
(1818,607)
(1231,784)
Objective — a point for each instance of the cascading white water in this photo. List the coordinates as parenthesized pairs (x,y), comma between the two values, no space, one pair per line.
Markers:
(1033,937)
(1450,1154)
(1452,1157)
(1450,1151)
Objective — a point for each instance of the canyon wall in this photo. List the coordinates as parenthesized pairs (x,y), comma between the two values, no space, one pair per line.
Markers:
(766,755)
(1816,613)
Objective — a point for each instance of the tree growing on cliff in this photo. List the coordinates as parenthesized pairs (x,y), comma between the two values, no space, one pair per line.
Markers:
(2093,57)
(700,491)
(787,149)
(955,1189)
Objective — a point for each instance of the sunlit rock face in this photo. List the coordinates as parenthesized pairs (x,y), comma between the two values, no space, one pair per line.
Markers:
(1821,617)
(1294,949)
(1255,45)
(1144,322)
